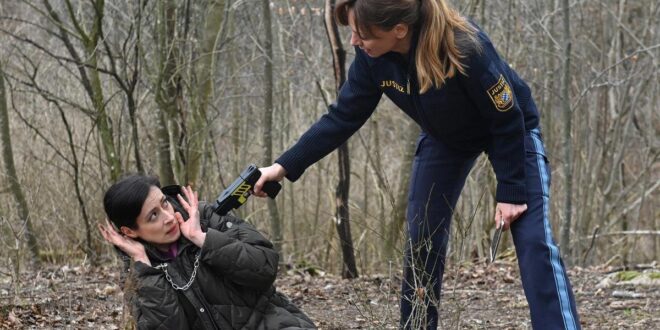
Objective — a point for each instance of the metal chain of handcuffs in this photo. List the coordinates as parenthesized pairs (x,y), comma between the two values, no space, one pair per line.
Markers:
(163,267)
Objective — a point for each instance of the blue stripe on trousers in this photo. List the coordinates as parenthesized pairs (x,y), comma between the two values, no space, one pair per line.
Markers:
(560,280)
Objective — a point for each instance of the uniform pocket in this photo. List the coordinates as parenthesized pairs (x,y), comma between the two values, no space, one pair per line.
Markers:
(415,166)
(418,144)
(534,148)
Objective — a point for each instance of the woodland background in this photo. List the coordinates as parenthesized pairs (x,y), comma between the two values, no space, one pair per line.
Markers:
(194,91)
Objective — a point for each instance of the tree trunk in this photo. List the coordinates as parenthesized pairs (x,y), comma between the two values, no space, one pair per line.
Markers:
(205,69)
(568,147)
(89,73)
(89,76)
(10,169)
(343,225)
(275,223)
(167,89)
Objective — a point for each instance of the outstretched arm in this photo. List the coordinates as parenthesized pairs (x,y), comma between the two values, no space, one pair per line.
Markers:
(356,102)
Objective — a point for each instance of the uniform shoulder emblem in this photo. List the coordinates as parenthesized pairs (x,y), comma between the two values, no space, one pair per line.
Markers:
(393,84)
(501,95)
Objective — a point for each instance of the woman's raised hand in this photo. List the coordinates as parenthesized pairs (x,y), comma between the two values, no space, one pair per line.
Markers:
(191,229)
(131,247)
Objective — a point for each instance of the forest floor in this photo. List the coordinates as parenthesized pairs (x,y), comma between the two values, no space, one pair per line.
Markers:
(476,296)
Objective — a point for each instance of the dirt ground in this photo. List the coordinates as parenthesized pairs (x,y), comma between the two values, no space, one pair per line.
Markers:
(476,296)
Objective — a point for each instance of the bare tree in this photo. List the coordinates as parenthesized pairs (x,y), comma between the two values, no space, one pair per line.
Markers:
(10,174)
(168,89)
(88,65)
(343,224)
(182,92)
(568,126)
(85,69)
(275,222)
(204,65)
(126,73)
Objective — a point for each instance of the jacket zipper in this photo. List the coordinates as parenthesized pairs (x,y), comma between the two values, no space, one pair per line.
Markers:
(414,94)
(206,314)
(408,83)
(413,91)
(207,310)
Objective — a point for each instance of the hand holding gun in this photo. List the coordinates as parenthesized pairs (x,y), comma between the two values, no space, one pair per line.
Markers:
(274,172)
(238,191)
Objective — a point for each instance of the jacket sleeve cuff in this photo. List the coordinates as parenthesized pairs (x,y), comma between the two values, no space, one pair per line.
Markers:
(289,161)
(141,269)
(513,194)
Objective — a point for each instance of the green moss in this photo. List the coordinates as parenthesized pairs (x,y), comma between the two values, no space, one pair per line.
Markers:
(654,275)
(4,310)
(627,275)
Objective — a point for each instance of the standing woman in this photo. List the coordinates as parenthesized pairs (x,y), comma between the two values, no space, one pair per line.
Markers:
(444,72)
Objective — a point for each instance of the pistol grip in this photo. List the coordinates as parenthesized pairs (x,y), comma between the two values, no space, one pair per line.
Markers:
(271,188)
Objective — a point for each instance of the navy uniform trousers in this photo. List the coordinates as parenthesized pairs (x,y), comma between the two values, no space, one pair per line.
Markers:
(439,174)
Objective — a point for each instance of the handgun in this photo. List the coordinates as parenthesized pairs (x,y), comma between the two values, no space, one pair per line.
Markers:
(238,191)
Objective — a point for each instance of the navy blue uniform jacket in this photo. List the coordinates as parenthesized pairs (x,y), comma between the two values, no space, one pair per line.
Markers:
(488,109)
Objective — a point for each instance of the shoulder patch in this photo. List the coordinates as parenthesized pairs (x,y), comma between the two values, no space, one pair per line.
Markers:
(501,95)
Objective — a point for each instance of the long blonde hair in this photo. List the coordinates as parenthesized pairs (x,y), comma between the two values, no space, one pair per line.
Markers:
(445,37)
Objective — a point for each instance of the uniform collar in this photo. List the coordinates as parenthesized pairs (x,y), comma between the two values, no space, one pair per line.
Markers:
(406,60)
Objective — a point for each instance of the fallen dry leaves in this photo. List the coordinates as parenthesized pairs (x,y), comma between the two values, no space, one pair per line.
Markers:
(475,296)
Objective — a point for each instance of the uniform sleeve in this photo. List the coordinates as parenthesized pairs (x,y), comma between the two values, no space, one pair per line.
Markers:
(357,100)
(237,251)
(488,83)
(156,303)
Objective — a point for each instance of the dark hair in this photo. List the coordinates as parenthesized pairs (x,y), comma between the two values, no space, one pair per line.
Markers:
(123,201)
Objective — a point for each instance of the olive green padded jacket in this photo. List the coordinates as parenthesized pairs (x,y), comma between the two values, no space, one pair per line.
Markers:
(233,287)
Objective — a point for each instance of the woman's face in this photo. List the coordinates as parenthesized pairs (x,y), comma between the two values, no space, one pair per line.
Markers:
(156,223)
(378,41)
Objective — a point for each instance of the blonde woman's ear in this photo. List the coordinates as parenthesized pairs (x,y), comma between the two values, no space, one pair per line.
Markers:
(401,30)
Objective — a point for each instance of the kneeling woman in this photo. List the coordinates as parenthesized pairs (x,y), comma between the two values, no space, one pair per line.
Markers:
(194,269)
